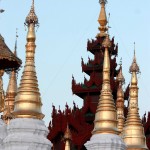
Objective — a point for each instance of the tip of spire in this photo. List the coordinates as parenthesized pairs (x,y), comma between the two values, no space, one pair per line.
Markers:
(102,19)
(134,50)
(15,49)
(32,17)
(134,66)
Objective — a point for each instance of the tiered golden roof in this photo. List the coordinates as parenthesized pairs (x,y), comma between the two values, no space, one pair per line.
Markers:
(106,115)
(28,101)
(133,132)
(67,138)
(102,19)
(120,100)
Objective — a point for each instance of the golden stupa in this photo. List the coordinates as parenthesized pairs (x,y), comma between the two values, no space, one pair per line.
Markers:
(133,132)
(106,115)
(28,101)
(120,100)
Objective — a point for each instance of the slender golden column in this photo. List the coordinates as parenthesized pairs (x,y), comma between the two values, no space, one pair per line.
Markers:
(2,96)
(28,101)
(106,116)
(67,138)
(102,19)
(10,97)
(133,132)
(120,100)
(11,93)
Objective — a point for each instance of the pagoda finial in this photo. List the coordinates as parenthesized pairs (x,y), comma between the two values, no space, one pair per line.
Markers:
(32,17)
(67,138)
(133,132)
(120,99)
(15,49)
(102,19)
(28,101)
(106,114)
(134,66)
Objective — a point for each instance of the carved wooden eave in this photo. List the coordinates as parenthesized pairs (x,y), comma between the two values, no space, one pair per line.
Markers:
(88,106)
(93,85)
(97,65)
(8,60)
(94,46)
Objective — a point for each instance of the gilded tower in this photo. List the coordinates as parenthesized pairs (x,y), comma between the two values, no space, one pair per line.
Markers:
(106,116)
(120,100)
(10,93)
(28,101)
(105,133)
(133,132)
(27,130)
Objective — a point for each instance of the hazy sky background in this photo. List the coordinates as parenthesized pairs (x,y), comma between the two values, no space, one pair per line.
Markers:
(65,26)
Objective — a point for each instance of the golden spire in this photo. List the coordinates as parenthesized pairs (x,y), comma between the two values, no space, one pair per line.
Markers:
(2,96)
(106,116)
(67,138)
(120,100)
(102,19)
(133,132)
(11,92)
(28,101)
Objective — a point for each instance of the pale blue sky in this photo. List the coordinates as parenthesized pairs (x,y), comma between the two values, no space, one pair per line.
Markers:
(65,26)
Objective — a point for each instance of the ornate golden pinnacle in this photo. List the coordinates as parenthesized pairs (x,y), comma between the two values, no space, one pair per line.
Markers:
(134,66)
(120,101)
(106,116)
(32,17)
(102,19)
(28,101)
(133,132)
